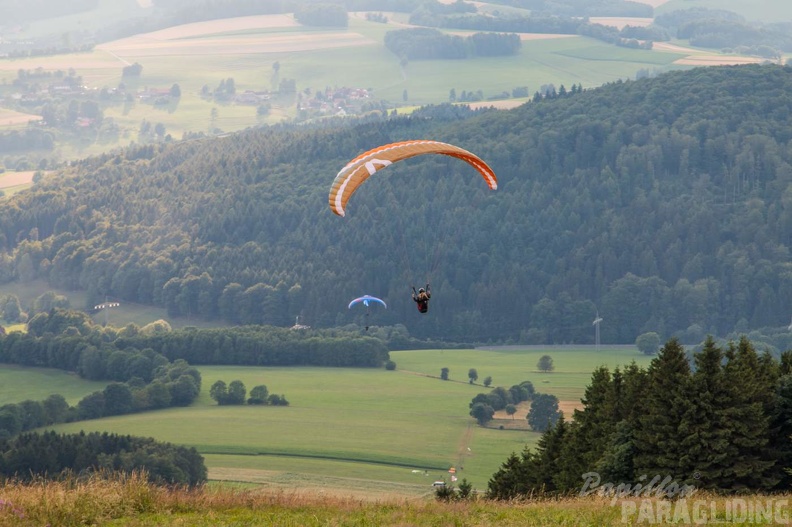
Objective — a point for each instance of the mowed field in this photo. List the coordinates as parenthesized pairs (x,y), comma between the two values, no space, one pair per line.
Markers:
(358,430)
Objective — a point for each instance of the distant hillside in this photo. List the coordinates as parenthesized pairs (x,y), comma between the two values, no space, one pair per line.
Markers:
(664,204)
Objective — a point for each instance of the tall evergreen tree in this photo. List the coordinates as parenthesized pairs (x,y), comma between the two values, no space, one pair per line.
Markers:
(549,452)
(595,423)
(781,433)
(707,447)
(749,425)
(666,400)
(616,463)
(513,479)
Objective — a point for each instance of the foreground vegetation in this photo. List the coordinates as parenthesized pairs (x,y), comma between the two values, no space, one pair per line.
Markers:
(131,501)
(721,420)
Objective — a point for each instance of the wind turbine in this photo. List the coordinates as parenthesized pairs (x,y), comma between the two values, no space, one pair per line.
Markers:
(105,306)
(596,325)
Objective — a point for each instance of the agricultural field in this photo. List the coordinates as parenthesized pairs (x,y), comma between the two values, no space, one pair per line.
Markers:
(10,119)
(258,52)
(12,182)
(364,431)
(246,49)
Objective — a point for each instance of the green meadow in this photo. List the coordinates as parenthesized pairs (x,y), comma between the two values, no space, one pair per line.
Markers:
(361,429)
(18,383)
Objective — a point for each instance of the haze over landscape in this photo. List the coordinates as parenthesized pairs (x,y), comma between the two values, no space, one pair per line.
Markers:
(597,194)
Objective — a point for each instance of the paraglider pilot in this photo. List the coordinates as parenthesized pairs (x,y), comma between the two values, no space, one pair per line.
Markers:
(422,298)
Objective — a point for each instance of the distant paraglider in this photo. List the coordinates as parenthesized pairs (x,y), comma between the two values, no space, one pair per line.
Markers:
(366,300)
(366,164)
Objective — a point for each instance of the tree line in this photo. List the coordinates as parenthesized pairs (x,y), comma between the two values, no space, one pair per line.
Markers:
(264,346)
(70,340)
(536,22)
(141,379)
(722,29)
(142,374)
(116,398)
(234,394)
(427,43)
(30,456)
(332,15)
(718,420)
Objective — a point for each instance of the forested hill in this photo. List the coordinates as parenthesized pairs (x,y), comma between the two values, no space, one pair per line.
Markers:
(664,204)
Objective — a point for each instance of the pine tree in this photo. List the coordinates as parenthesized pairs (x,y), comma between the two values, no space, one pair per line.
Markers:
(666,399)
(786,363)
(599,416)
(548,456)
(572,463)
(746,420)
(776,395)
(616,464)
(629,397)
(588,434)
(781,433)
(513,479)
(707,447)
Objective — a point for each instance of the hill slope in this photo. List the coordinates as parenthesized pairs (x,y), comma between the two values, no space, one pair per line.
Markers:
(662,203)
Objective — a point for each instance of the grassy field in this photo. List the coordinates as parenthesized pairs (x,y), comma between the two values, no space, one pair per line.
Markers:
(363,430)
(18,384)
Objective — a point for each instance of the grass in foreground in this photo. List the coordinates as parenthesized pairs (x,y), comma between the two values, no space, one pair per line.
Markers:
(131,501)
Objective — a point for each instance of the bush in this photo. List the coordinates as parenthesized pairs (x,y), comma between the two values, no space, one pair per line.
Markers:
(648,343)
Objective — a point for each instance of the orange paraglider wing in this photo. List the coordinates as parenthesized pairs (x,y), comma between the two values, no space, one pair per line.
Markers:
(359,169)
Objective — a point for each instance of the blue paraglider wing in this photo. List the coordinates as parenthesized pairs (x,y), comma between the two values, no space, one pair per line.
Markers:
(366,300)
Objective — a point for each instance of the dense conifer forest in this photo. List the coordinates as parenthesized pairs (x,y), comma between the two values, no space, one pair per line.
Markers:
(664,204)
(50,455)
(721,422)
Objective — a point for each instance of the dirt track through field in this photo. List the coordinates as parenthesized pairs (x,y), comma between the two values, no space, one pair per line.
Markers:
(463,450)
